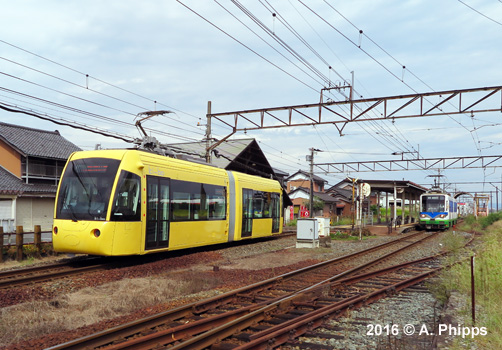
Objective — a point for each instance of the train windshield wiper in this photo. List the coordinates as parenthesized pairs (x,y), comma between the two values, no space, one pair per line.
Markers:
(65,205)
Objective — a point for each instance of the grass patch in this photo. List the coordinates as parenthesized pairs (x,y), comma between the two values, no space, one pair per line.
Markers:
(453,242)
(343,221)
(488,281)
(350,236)
(91,305)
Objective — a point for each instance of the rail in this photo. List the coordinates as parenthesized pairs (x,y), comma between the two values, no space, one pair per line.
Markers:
(255,297)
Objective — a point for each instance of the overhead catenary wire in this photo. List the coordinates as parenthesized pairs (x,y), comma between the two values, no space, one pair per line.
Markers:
(244,45)
(93,115)
(281,42)
(392,57)
(376,125)
(274,11)
(391,125)
(88,76)
(374,59)
(74,125)
(78,112)
(472,132)
(480,13)
(85,100)
(249,14)
(261,38)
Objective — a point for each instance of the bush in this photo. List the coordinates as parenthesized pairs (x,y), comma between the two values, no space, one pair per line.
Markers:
(486,221)
(29,251)
(292,223)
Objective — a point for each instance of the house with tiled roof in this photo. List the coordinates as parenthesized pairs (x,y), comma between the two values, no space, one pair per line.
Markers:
(31,163)
(302,179)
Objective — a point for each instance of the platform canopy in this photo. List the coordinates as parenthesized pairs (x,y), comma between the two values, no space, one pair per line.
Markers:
(386,186)
(400,185)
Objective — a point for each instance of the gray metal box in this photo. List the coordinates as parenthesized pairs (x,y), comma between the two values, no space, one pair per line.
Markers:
(307,229)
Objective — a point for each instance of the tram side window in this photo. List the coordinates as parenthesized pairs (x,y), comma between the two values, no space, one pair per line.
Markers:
(196,201)
(214,201)
(263,204)
(267,205)
(185,200)
(257,204)
(127,201)
(247,203)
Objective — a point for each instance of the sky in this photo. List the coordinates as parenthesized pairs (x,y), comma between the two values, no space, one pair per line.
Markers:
(101,63)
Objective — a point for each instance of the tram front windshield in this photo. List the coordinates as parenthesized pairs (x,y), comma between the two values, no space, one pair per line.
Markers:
(433,204)
(85,189)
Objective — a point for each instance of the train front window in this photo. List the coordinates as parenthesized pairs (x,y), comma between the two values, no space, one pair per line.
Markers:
(433,204)
(127,201)
(85,189)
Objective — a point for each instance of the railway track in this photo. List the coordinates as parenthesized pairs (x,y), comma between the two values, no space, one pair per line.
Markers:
(37,274)
(238,309)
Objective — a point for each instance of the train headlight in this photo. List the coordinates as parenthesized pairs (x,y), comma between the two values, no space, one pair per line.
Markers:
(442,216)
(96,233)
(423,215)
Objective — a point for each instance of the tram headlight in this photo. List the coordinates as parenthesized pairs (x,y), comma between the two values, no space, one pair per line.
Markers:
(96,232)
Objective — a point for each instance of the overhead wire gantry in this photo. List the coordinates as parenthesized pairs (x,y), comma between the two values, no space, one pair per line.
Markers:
(340,113)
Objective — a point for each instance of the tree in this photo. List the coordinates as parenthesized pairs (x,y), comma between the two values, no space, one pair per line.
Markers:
(318,204)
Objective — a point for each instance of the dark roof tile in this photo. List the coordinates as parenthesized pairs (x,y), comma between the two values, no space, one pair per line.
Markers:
(37,143)
(11,184)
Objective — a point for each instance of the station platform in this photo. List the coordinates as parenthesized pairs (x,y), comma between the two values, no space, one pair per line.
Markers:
(377,230)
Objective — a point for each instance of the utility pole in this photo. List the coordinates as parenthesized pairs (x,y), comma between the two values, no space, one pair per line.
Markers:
(360,209)
(311,197)
(394,211)
(208,133)
(497,197)
(354,181)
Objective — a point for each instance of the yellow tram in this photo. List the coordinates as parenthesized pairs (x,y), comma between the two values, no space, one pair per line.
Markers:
(124,202)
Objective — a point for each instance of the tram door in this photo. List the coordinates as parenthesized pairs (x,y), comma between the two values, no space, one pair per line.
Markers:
(157,212)
(276,212)
(247,213)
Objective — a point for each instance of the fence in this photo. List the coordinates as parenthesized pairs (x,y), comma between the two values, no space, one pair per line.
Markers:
(37,233)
